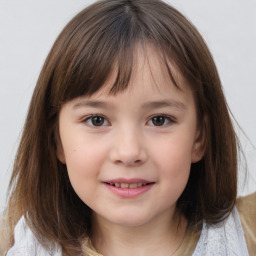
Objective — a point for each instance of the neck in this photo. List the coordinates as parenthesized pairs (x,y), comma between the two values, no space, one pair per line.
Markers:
(161,236)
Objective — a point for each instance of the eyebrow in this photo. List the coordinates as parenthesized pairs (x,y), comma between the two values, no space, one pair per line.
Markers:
(165,103)
(148,105)
(91,103)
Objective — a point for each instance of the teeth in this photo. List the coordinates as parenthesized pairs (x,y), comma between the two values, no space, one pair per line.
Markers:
(117,185)
(126,185)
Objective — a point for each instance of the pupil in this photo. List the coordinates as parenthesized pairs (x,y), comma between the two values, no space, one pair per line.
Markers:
(97,120)
(158,120)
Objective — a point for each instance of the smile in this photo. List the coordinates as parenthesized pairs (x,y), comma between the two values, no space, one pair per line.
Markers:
(127,185)
(128,188)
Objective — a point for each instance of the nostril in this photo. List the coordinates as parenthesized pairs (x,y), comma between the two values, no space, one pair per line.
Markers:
(129,163)
(118,162)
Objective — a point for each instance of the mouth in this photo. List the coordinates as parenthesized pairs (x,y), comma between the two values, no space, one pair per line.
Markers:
(128,185)
(129,188)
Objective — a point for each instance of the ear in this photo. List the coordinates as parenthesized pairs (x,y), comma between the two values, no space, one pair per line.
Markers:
(60,153)
(199,146)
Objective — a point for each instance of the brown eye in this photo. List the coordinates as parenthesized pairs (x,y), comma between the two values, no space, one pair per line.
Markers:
(96,121)
(160,120)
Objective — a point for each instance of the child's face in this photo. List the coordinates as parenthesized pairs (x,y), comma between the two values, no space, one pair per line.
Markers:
(128,156)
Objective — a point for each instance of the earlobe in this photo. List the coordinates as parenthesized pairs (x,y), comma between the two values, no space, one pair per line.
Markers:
(199,146)
(60,154)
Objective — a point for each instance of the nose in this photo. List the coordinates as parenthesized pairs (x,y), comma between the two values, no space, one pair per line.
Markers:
(128,149)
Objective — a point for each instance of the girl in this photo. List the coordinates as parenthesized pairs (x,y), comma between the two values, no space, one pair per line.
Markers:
(128,146)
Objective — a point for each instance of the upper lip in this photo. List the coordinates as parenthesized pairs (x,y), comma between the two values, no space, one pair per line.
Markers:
(128,181)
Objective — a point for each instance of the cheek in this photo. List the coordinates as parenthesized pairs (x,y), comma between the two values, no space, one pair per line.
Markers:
(175,174)
(176,169)
(84,160)
(174,152)
(83,166)
(173,160)
(82,150)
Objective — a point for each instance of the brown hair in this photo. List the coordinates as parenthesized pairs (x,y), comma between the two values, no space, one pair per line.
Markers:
(81,59)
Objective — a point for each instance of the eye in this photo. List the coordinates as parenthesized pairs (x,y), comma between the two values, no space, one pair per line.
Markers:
(160,120)
(96,120)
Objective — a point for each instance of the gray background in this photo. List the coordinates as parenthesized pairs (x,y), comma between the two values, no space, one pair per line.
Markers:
(28,28)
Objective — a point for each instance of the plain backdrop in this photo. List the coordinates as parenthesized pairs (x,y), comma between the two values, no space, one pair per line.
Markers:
(28,28)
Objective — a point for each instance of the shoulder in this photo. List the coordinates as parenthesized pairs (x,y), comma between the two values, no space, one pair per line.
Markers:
(223,238)
(26,244)
(233,234)
(247,211)
(4,235)
(247,206)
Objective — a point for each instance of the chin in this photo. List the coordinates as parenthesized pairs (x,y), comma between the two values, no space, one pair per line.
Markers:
(128,219)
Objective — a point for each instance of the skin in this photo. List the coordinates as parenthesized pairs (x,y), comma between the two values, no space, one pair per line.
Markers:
(129,143)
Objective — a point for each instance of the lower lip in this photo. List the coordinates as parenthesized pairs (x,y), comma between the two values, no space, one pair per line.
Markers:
(129,192)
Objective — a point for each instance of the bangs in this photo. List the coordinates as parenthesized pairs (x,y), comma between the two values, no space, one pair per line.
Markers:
(95,45)
(121,65)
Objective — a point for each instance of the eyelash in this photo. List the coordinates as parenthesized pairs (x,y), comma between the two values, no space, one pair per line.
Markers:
(166,118)
(90,117)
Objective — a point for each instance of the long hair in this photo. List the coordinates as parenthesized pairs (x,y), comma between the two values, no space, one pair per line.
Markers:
(100,38)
